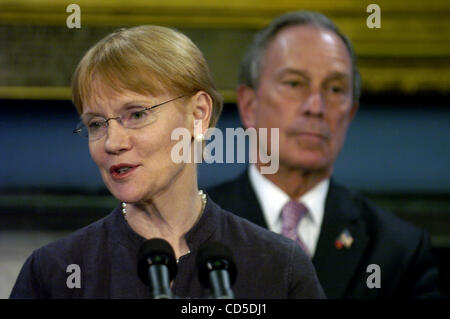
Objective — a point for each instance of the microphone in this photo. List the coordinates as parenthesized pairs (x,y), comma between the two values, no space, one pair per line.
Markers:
(157,266)
(217,270)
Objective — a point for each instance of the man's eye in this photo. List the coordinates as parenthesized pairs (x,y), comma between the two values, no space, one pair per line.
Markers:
(295,83)
(336,89)
(292,84)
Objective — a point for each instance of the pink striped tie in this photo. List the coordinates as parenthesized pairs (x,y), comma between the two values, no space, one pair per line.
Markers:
(291,215)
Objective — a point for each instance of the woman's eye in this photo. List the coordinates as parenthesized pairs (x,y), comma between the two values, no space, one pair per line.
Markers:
(137,115)
(94,125)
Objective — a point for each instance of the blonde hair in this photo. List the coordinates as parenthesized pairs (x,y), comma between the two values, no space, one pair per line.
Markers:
(146,60)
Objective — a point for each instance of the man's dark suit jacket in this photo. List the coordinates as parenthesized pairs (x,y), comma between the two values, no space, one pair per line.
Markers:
(407,266)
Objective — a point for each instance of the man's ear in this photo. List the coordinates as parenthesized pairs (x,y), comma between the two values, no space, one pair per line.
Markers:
(354,110)
(202,109)
(246,102)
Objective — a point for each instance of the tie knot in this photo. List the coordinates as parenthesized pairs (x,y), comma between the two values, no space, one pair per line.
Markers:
(292,213)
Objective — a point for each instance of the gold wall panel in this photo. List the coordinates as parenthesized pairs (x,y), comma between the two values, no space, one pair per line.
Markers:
(409,53)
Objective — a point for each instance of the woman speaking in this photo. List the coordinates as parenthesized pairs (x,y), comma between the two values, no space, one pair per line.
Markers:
(132,90)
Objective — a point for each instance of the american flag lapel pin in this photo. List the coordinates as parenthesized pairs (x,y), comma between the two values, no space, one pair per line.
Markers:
(345,239)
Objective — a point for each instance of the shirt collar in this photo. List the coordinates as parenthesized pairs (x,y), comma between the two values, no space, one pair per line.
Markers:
(272,198)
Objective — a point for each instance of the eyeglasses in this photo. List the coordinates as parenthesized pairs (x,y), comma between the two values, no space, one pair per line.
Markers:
(94,127)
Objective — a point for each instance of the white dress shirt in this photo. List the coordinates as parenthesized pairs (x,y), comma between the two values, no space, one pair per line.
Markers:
(272,199)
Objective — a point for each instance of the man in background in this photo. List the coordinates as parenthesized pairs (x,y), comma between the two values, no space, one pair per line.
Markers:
(300,75)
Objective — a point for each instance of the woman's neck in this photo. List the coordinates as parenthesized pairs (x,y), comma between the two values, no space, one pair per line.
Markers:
(169,214)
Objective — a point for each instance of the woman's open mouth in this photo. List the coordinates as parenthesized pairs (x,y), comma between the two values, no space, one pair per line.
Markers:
(122,171)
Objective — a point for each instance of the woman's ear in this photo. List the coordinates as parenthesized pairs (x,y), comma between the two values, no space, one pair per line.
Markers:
(202,104)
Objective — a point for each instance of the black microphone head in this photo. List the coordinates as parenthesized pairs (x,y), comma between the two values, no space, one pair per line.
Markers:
(156,251)
(215,256)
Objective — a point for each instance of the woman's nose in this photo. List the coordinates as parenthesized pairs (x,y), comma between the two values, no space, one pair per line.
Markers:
(117,138)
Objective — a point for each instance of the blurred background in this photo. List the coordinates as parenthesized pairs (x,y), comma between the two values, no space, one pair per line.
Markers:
(397,151)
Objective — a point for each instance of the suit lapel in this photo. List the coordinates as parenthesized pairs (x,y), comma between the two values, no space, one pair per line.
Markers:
(250,207)
(336,266)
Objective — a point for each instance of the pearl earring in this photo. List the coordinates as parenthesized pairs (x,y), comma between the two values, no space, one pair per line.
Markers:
(199,138)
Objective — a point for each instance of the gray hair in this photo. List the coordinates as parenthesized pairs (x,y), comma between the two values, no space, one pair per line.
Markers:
(251,64)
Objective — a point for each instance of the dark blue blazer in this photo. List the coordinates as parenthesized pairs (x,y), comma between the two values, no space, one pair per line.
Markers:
(268,264)
(407,266)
